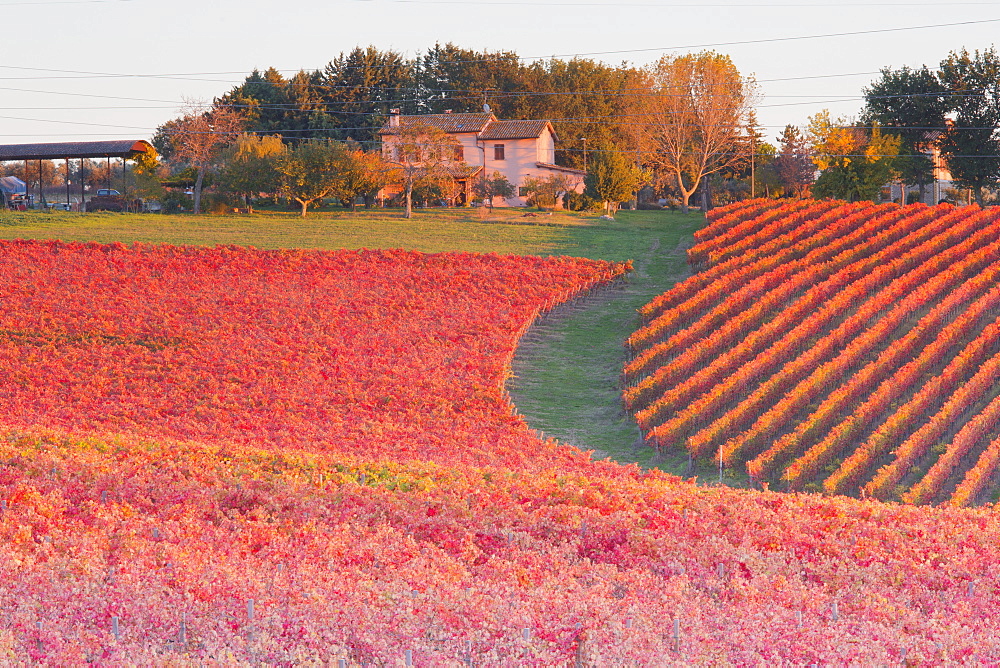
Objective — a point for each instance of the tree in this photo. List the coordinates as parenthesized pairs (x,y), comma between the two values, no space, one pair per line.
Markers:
(450,77)
(249,166)
(29,172)
(911,104)
(420,151)
(143,180)
(855,162)
(768,184)
(970,144)
(307,171)
(494,185)
(359,89)
(97,173)
(688,125)
(351,97)
(546,191)
(429,188)
(743,177)
(586,100)
(359,173)
(612,178)
(756,152)
(291,108)
(197,139)
(266,103)
(793,164)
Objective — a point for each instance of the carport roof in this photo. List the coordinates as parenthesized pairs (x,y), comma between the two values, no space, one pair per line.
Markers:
(115,148)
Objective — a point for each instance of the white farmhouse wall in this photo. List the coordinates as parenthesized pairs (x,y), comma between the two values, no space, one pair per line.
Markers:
(547,148)
(522,158)
(470,151)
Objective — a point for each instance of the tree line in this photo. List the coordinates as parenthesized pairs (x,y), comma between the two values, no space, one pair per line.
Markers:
(680,126)
(669,125)
(424,165)
(908,114)
(352,96)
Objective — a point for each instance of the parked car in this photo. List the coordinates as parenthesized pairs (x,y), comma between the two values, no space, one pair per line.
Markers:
(107,199)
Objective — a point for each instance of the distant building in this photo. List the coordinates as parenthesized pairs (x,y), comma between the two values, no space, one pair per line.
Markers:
(516,149)
(938,189)
(942,177)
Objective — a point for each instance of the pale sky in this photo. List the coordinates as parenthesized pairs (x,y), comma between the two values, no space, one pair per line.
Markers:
(100,69)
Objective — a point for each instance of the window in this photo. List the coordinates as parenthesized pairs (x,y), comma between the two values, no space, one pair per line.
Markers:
(498,152)
(459,153)
(522,191)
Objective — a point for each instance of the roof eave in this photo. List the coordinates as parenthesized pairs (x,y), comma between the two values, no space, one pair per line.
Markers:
(570,170)
(125,148)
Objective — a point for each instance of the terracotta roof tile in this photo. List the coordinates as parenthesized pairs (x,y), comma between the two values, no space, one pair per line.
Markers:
(452,123)
(514,130)
(485,125)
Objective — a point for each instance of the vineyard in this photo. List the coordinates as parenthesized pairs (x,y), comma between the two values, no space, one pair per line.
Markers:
(226,456)
(844,348)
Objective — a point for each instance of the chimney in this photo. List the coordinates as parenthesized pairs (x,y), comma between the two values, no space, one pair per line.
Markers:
(447,111)
(394,118)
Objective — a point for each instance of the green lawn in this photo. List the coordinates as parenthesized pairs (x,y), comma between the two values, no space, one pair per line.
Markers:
(567,371)
(428,230)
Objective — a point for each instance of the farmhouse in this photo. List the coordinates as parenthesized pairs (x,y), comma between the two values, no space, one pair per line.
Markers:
(941,186)
(517,149)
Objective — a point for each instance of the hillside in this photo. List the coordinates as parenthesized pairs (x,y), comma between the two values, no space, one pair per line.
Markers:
(580,359)
(844,348)
(227,456)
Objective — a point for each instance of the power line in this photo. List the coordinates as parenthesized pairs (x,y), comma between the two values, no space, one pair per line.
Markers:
(494,94)
(769,40)
(97,95)
(467,95)
(114,108)
(618,118)
(699,5)
(35,3)
(119,74)
(47,120)
(195,76)
(533,3)
(763,40)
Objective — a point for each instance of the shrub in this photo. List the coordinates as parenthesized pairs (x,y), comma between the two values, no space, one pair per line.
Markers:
(581,202)
(174,202)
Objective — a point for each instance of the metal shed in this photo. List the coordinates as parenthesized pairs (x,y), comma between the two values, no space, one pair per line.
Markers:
(123,149)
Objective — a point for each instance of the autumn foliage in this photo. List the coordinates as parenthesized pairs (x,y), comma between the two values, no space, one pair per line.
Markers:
(238,457)
(849,348)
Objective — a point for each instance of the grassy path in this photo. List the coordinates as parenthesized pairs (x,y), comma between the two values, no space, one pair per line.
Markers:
(566,371)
